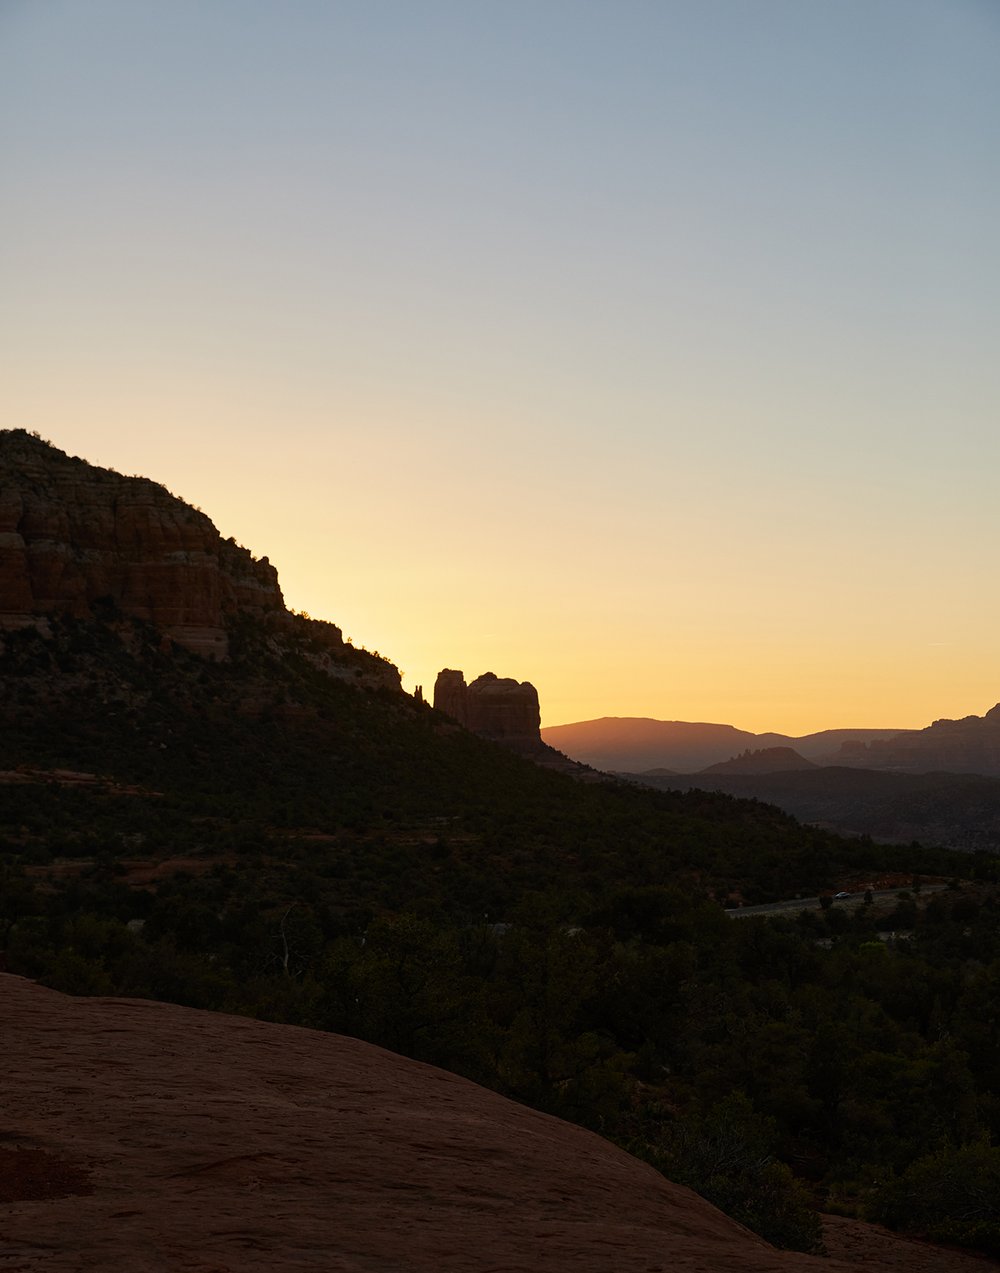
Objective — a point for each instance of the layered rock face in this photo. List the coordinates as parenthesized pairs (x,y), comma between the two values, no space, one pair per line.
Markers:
(73,536)
(494,707)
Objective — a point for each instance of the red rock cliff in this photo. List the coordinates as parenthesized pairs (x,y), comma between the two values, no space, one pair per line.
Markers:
(72,535)
(451,695)
(493,707)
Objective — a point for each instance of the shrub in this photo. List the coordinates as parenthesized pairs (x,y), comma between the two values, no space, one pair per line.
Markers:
(950,1196)
(727,1157)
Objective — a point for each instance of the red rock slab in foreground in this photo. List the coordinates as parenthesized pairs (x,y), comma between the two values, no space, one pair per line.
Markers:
(217,1144)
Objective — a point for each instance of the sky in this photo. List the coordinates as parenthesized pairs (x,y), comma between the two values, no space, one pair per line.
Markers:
(647,350)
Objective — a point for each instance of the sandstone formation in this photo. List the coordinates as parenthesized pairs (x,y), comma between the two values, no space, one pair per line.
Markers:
(73,536)
(84,542)
(451,695)
(494,707)
(504,709)
(506,712)
(148,1137)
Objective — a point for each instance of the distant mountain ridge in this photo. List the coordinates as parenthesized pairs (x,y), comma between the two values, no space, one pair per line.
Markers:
(637,744)
(970,746)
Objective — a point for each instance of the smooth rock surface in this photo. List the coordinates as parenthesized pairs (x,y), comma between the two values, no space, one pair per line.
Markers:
(218,1144)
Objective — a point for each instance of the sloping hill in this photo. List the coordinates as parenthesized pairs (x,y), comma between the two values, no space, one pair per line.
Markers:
(278,731)
(216,1142)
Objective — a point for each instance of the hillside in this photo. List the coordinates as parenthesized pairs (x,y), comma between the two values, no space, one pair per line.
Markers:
(280,732)
(957,811)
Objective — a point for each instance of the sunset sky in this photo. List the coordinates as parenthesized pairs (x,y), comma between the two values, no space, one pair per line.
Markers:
(648,350)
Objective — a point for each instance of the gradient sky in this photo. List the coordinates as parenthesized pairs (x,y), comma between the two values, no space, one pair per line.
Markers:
(646,350)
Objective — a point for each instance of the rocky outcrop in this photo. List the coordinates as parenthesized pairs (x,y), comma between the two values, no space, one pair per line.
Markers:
(494,707)
(144,1136)
(504,709)
(451,695)
(322,644)
(80,542)
(76,539)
